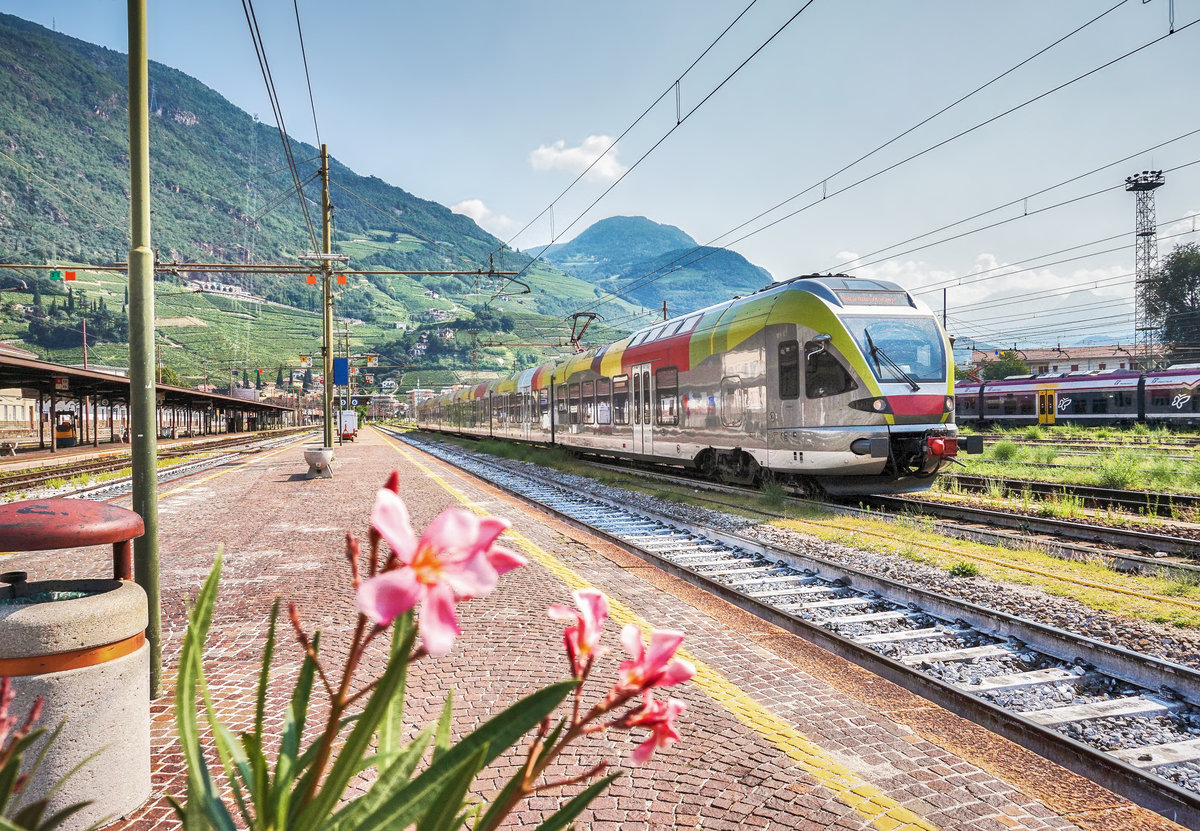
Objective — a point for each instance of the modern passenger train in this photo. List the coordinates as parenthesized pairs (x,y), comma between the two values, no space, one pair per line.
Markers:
(831,381)
(1168,396)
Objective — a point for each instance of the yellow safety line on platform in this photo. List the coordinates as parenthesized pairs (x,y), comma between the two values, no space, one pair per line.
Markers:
(884,812)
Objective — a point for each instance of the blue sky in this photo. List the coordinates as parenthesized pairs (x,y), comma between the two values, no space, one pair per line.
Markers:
(494,107)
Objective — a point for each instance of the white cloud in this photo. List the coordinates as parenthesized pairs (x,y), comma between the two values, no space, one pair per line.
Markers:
(484,217)
(558,156)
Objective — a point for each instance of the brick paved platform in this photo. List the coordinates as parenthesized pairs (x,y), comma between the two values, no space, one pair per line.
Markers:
(777,734)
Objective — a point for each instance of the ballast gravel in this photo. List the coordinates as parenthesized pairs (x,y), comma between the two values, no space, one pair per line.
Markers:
(1032,603)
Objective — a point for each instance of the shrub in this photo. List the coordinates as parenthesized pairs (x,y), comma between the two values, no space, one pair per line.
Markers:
(1117,470)
(1005,450)
(963,569)
(1034,432)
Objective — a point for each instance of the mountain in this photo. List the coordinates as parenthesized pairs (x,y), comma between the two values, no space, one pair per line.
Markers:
(648,262)
(221,192)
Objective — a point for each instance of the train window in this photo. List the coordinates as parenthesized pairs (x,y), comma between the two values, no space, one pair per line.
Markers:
(639,338)
(561,418)
(689,324)
(543,402)
(637,398)
(825,376)
(1027,403)
(603,407)
(789,369)
(913,344)
(620,399)
(667,382)
(646,397)
(573,404)
(654,333)
(589,402)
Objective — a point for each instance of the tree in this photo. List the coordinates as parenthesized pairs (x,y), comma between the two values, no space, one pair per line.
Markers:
(245,379)
(171,377)
(1009,363)
(1172,298)
(308,379)
(279,377)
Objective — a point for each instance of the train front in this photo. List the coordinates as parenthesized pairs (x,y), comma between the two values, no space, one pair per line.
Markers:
(897,406)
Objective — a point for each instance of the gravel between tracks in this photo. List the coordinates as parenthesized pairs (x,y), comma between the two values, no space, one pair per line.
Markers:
(1174,644)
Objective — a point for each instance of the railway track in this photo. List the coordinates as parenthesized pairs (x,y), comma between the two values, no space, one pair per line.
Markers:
(1126,720)
(1143,502)
(26,480)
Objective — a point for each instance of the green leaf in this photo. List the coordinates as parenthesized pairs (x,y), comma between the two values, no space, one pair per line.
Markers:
(561,818)
(416,799)
(391,778)
(233,756)
(391,730)
(203,799)
(443,813)
(441,742)
(316,812)
(287,765)
(55,820)
(493,817)
(496,735)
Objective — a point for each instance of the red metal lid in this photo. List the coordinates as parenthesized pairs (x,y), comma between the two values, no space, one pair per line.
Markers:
(41,524)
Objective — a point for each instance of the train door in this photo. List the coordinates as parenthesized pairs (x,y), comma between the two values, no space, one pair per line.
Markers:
(643,410)
(1047,406)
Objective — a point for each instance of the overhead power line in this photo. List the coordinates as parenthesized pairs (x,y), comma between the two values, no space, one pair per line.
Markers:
(307,77)
(265,67)
(680,119)
(822,184)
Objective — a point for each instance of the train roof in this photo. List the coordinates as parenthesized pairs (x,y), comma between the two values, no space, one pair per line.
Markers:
(1188,374)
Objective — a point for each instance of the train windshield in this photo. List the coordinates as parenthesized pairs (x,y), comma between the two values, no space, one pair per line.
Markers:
(900,348)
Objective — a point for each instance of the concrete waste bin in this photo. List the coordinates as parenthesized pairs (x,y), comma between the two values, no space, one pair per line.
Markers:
(320,462)
(80,645)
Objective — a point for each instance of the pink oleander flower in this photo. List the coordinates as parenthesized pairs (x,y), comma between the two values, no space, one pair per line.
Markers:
(659,717)
(656,667)
(454,560)
(582,639)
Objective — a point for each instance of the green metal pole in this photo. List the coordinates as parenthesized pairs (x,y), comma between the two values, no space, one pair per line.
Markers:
(326,282)
(143,437)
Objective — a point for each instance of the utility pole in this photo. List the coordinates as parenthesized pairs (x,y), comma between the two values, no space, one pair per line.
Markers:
(327,295)
(85,366)
(143,436)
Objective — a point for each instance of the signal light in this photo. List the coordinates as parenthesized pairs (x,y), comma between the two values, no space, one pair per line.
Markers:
(943,448)
(68,275)
(341,278)
(312,279)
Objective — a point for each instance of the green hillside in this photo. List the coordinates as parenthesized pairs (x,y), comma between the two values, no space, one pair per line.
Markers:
(649,262)
(219,194)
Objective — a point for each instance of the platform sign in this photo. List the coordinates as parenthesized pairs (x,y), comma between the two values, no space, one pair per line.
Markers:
(372,360)
(353,402)
(354,370)
(306,361)
(62,383)
(341,372)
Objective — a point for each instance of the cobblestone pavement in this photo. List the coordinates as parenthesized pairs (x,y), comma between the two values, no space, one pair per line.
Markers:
(777,734)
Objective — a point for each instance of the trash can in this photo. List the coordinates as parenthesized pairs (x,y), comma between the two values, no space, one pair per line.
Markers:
(80,646)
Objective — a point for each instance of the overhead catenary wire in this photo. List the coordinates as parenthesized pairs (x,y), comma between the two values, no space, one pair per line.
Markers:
(679,123)
(673,86)
(307,78)
(825,195)
(272,95)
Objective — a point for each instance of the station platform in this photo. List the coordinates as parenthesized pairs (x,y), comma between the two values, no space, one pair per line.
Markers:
(777,733)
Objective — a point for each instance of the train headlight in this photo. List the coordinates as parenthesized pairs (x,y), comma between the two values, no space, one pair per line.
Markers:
(949,403)
(872,405)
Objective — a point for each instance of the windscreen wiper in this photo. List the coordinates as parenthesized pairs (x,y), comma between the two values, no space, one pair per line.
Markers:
(877,353)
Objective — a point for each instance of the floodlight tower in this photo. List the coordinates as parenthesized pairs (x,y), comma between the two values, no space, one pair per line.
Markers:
(1146,341)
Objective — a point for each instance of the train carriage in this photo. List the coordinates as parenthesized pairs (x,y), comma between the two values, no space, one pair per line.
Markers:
(839,382)
(1170,396)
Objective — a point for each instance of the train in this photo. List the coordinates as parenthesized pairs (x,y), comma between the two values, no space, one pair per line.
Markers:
(832,383)
(1164,397)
